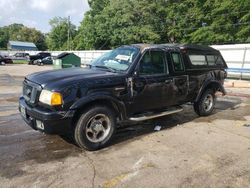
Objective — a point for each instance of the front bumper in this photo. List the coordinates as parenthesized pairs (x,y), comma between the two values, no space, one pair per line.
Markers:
(53,122)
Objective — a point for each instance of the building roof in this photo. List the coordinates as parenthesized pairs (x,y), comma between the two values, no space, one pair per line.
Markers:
(19,43)
(22,45)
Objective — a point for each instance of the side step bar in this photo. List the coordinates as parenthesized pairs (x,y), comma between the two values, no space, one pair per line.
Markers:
(143,117)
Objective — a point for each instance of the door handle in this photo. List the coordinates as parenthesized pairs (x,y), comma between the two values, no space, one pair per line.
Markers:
(168,81)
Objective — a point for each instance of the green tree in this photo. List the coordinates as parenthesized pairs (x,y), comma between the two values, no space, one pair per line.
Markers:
(110,23)
(97,6)
(4,37)
(209,21)
(57,38)
(123,22)
(86,36)
(20,32)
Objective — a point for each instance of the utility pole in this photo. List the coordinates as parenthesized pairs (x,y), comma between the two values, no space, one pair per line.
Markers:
(69,33)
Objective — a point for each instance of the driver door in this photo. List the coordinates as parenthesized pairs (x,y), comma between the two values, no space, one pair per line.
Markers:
(152,83)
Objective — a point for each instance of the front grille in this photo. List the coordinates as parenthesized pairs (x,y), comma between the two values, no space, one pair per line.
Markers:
(31,92)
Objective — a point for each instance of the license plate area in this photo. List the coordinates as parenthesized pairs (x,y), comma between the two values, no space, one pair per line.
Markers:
(23,111)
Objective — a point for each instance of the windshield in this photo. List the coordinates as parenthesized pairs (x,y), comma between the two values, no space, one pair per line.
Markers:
(118,59)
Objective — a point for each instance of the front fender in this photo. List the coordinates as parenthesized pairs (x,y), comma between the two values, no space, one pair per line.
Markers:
(100,97)
(214,84)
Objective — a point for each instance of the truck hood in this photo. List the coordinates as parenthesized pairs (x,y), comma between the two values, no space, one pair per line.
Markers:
(67,76)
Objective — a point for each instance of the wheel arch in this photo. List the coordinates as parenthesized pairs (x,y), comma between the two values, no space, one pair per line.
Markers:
(82,104)
(212,84)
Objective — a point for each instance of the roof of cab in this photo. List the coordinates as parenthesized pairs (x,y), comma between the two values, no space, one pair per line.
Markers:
(176,46)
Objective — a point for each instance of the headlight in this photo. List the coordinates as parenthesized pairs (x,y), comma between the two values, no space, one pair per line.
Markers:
(50,98)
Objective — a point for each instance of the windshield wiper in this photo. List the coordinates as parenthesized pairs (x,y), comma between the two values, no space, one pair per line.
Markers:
(104,67)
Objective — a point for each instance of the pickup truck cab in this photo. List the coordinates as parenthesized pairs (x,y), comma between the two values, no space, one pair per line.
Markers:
(131,83)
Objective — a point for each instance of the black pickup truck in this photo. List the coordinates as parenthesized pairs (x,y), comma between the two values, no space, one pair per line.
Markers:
(131,83)
(39,56)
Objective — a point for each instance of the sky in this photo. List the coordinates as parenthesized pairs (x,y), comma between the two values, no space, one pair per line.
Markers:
(37,13)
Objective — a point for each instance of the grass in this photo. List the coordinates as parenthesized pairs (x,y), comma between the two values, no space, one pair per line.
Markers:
(16,61)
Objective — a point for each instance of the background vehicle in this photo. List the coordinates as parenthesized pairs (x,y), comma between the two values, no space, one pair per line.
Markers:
(131,83)
(5,60)
(45,61)
(20,55)
(38,56)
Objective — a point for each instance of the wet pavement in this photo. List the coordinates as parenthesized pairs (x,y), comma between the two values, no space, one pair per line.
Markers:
(188,151)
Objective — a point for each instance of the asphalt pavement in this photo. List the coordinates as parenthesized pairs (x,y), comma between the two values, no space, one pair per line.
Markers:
(188,151)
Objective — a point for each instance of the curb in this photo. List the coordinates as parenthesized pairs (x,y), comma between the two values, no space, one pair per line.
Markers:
(237,84)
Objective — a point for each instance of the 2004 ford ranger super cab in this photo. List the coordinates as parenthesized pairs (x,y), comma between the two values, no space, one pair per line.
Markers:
(131,83)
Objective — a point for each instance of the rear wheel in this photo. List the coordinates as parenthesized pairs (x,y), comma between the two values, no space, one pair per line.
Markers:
(205,105)
(95,128)
(2,63)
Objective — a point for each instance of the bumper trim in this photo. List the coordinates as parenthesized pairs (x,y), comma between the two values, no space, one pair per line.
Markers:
(55,122)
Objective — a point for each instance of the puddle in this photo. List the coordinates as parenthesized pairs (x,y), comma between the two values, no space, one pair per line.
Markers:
(228,110)
(7,80)
(25,146)
(246,125)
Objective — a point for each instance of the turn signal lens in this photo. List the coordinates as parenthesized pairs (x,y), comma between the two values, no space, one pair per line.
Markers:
(56,99)
(51,98)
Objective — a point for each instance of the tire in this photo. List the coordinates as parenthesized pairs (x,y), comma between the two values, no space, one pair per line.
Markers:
(95,128)
(2,63)
(205,105)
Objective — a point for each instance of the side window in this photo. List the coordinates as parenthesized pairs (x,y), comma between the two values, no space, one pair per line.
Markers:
(211,60)
(198,59)
(214,60)
(219,61)
(153,62)
(177,62)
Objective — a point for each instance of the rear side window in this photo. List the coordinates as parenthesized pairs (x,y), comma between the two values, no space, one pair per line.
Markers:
(211,59)
(214,60)
(177,62)
(198,59)
(219,61)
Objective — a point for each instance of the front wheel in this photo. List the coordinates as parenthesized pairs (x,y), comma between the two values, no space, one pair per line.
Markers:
(205,105)
(95,128)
